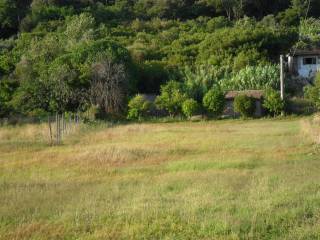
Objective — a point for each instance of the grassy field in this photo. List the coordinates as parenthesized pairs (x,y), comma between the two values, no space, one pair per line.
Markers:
(257,179)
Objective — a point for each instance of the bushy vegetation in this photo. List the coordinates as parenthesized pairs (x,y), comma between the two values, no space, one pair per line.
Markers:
(190,108)
(139,107)
(214,101)
(273,102)
(244,105)
(62,55)
(171,98)
(313,92)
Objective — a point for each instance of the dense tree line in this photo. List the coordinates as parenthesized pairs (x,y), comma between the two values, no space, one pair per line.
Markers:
(58,55)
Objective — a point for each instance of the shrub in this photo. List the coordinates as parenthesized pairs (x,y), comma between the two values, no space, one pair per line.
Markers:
(300,106)
(190,107)
(7,89)
(273,102)
(244,105)
(139,107)
(171,98)
(214,101)
(312,93)
(91,114)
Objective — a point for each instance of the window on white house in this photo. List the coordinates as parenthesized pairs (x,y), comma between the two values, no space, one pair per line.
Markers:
(310,61)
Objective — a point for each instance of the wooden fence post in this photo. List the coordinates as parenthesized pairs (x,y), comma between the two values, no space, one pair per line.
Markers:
(50,129)
(58,128)
(62,125)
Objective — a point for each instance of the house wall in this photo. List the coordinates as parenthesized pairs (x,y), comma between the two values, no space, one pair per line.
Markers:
(309,70)
(229,109)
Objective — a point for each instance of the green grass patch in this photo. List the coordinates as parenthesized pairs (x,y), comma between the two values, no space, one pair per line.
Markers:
(256,179)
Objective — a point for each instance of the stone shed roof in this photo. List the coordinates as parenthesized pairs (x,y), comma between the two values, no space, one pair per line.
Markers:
(149,97)
(256,94)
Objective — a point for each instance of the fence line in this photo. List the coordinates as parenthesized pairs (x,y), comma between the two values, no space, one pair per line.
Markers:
(61,125)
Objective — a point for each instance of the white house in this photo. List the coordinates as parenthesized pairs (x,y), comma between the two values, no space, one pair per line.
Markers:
(304,63)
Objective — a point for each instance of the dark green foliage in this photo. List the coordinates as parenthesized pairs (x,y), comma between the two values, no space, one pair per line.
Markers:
(151,75)
(11,14)
(244,105)
(273,102)
(138,107)
(300,106)
(313,92)
(214,101)
(7,89)
(190,108)
(56,72)
(202,44)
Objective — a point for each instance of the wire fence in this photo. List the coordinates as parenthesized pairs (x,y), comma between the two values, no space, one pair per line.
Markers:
(61,125)
(58,125)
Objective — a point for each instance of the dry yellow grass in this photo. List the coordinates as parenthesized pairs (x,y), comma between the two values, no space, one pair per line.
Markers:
(311,128)
(209,180)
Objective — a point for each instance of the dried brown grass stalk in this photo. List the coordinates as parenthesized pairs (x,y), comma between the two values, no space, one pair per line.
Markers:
(311,128)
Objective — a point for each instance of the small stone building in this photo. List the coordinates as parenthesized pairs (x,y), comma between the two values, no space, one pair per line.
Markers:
(257,95)
(304,63)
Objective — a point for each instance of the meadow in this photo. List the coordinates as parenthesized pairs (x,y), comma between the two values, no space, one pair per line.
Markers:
(231,179)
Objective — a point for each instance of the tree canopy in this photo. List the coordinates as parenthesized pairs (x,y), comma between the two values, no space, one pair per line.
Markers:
(49,49)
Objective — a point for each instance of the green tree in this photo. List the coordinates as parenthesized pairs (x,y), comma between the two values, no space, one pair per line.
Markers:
(79,29)
(214,101)
(171,98)
(139,107)
(11,14)
(7,89)
(313,92)
(190,107)
(273,102)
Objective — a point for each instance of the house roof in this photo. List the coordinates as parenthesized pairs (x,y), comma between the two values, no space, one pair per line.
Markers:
(306,52)
(257,94)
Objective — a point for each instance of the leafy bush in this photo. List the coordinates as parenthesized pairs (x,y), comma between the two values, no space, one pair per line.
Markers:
(91,114)
(190,107)
(244,105)
(300,106)
(273,102)
(313,92)
(139,107)
(7,89)
(171,98)
(214,101)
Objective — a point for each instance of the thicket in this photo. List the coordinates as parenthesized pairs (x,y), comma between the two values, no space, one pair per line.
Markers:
(244,105)
(313,92)
(139,108)
(273,102)
(58,55)
(190,108)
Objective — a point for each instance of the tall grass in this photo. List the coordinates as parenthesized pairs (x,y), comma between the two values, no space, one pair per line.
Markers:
(311,128)
(254,179)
